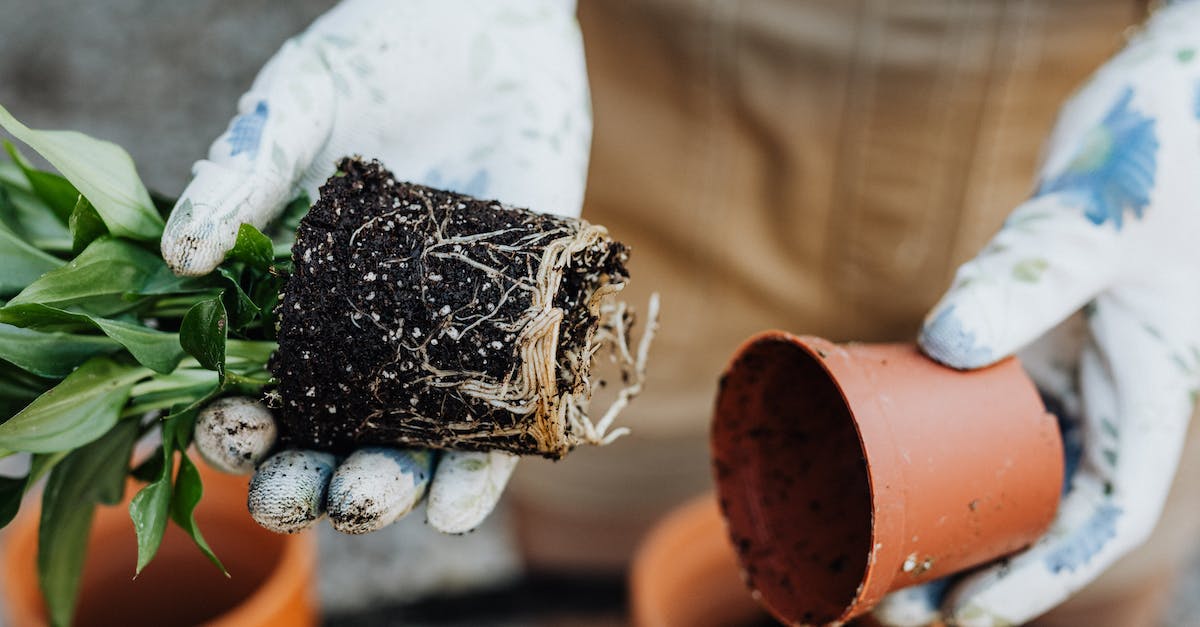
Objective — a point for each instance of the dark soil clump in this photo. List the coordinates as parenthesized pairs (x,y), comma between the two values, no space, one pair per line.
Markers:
(423,317)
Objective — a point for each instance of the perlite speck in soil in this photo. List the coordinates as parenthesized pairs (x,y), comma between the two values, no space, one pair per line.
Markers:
(421,317)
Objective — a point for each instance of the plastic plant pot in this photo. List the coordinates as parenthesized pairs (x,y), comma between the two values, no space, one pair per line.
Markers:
(848,471)
(272,577)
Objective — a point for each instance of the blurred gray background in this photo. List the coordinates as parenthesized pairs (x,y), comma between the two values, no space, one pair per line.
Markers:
(159,78)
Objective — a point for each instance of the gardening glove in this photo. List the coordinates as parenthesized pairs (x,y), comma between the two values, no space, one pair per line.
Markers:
(483,97)
(1096,276)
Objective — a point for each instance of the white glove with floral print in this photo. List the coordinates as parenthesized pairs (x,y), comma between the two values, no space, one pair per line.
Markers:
(1096,274)
(483,97)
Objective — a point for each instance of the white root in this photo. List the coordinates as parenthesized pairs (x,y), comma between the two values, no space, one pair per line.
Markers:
(558,418)
(635,366)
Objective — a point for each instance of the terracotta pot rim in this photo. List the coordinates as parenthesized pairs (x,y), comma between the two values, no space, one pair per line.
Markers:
(658,573)
(875,582)
(776,376)
(650,552)
(298,557)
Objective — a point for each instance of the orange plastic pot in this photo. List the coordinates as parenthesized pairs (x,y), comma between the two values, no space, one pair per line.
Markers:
(848,471)
(272,577)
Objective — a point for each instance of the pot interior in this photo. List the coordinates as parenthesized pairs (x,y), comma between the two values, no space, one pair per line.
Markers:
(793,482)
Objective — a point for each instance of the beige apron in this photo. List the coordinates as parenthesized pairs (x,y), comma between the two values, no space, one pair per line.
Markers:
(816,166)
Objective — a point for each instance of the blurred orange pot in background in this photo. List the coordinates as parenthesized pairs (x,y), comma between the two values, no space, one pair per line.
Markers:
(685,573)
(272,577)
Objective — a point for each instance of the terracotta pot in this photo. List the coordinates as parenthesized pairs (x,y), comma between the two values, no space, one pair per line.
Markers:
(272,577)
(685,573)
(848,471)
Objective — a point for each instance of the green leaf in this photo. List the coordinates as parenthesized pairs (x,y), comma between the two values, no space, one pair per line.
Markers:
(265,295)
(11,491)
(182,420)
(22,263)
(8,211)
(33,220)
(166,283)
(86,225)
(283,233)
(149,511)
(62,542)
(236,300)
(188,491)
(181,379)
(20,385)
(11,175)
(43,464)
(169,391)
(248,351)
(203,333)
(18,388)
(96,280)
(111,464)
(81,408)
(53,354)
(102,171)
(57,192)
(151,506)
(252,247)
(151,468)
(158,350)
(1029,270)
(94,473)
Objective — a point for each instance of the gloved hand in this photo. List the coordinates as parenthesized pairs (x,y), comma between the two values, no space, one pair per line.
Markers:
(484,97)
(1108,245)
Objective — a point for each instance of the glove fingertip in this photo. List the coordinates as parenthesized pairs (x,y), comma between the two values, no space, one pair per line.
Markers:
(466,488)
(234,434)
(287,494)
(947,340)
(192,245)
(376,486)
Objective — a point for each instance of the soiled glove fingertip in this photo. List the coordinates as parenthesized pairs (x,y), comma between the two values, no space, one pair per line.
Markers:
(191,247)
(287,494)
(377,486)
(234,434)
(203,226)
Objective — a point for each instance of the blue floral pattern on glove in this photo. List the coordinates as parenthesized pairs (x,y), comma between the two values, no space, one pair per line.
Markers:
(929,595)
(946,340)
(1085,542)
(1113,170)
(246,131)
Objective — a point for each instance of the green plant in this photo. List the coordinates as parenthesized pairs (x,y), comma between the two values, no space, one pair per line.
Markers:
(101,345)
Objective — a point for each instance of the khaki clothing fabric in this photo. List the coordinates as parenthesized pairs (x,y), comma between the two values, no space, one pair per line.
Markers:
(820,167)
